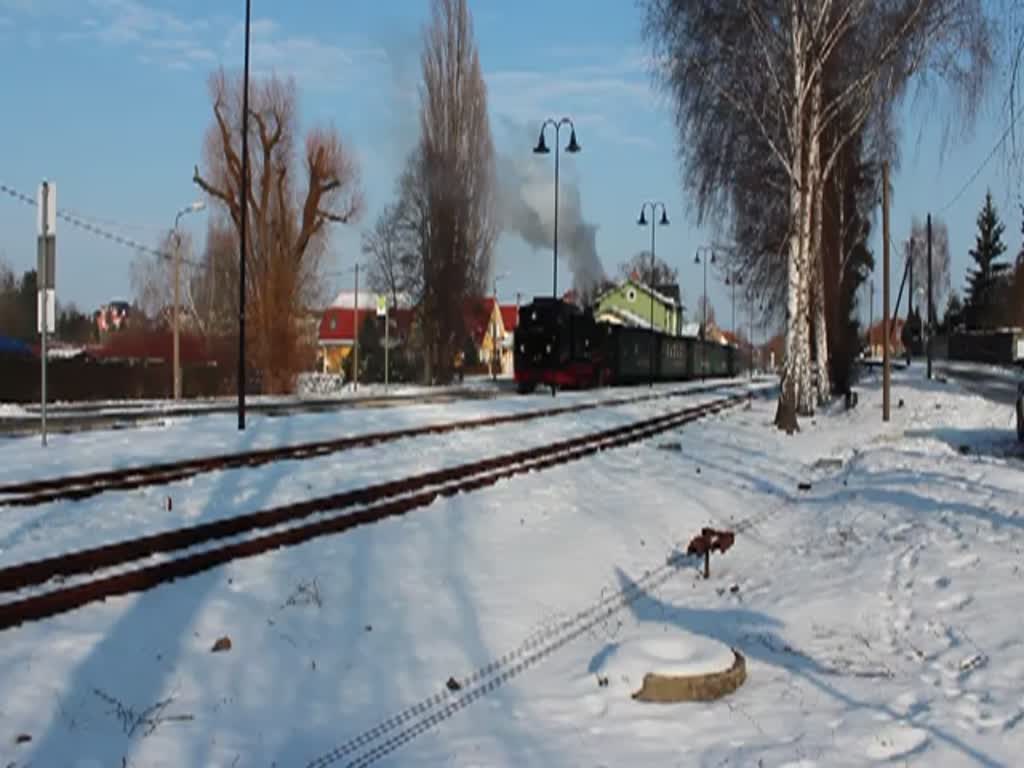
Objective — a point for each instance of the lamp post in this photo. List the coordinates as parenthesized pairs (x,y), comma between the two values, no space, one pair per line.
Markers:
(542,149)
(244,206)
(710,251)
(195,207)
(642,221)
(733,279)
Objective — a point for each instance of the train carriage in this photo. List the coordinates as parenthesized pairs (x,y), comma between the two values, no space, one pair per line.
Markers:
(559,345)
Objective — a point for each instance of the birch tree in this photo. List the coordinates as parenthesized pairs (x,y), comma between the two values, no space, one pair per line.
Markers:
(763,66)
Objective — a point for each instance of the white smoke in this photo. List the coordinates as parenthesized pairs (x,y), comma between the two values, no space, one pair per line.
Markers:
(526,203)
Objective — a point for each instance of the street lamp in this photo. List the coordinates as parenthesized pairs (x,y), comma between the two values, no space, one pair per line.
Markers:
(542,149)
(642,221)
(733,279)
(194,208)
(704,322)
(244,207)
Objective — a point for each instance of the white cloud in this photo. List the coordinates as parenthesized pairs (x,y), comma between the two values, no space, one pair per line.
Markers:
(162,38)
(314,64)
(610,99)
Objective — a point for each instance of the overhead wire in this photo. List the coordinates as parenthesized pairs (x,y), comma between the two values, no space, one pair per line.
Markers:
(984,163)
(77,220)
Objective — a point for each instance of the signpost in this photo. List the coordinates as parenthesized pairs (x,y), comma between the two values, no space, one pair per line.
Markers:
(382,311)
(46,311)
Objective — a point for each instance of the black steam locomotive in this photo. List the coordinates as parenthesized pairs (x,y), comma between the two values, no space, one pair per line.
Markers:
(560,345)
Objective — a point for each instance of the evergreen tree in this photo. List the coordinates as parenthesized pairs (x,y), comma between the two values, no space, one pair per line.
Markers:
(984,281)
(954,313)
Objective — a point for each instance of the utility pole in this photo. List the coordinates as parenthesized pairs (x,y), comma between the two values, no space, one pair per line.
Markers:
(886,372)
(910,298)
(355,336)
(928,324)
(176,256)
(45,282)
(244,205)
(177,314)
(871,313)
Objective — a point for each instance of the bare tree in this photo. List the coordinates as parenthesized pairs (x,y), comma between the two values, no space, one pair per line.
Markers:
(916,248)
(289,201)
(213,286)
(756,78)
(152,276)
(8,299)
(640,267)
(453,178)
(704,313)
(394,256)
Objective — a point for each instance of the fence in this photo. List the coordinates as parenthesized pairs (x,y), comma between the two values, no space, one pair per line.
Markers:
(83,378)
(1000,347)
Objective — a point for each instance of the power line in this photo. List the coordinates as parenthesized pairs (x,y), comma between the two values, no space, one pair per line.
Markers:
(986,161)
(81,223)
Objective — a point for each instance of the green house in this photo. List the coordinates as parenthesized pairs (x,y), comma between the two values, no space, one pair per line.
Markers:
(631,304)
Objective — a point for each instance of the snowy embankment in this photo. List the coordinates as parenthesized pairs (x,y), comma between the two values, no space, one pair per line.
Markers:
(310,387)
(877,611)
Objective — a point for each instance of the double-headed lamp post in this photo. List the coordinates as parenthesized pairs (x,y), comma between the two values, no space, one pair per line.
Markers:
(709,252)
(195,207)
(663,222)
(542,149)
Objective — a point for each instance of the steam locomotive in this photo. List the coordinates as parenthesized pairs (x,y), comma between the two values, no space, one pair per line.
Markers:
(560,345)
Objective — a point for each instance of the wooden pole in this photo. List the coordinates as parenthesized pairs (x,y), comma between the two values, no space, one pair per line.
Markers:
(928,322)
(886,370)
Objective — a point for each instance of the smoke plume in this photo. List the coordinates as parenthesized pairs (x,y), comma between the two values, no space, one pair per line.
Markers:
(526,201)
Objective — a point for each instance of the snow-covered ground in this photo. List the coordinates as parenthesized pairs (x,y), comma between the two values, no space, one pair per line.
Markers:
(316,389)
(1008,372)
(181,437)
(877,610)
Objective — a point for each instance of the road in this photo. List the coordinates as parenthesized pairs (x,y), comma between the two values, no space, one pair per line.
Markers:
(990,383)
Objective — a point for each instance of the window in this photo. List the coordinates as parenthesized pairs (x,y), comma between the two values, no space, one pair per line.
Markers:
(631,295)
(334,323)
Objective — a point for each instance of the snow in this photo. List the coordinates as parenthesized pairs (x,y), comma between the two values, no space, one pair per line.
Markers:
(876,610)
(1009,373)
(316,392)
(674,653)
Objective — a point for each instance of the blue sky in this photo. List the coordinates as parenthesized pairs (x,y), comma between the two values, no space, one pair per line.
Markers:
(108,98)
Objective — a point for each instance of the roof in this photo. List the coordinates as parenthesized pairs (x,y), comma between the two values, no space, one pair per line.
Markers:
(151,345)
(337,324)
(670,290)
(619,313)
(367,300)
(12,346)
(875,332)
(509,317)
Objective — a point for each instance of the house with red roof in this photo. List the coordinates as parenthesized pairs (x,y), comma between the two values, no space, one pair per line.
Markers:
(876,337)
(485,325)
(341,322)
(489,324)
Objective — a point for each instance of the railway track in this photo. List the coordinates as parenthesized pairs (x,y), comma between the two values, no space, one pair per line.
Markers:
(87,417)
(55,585)
(81,486)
